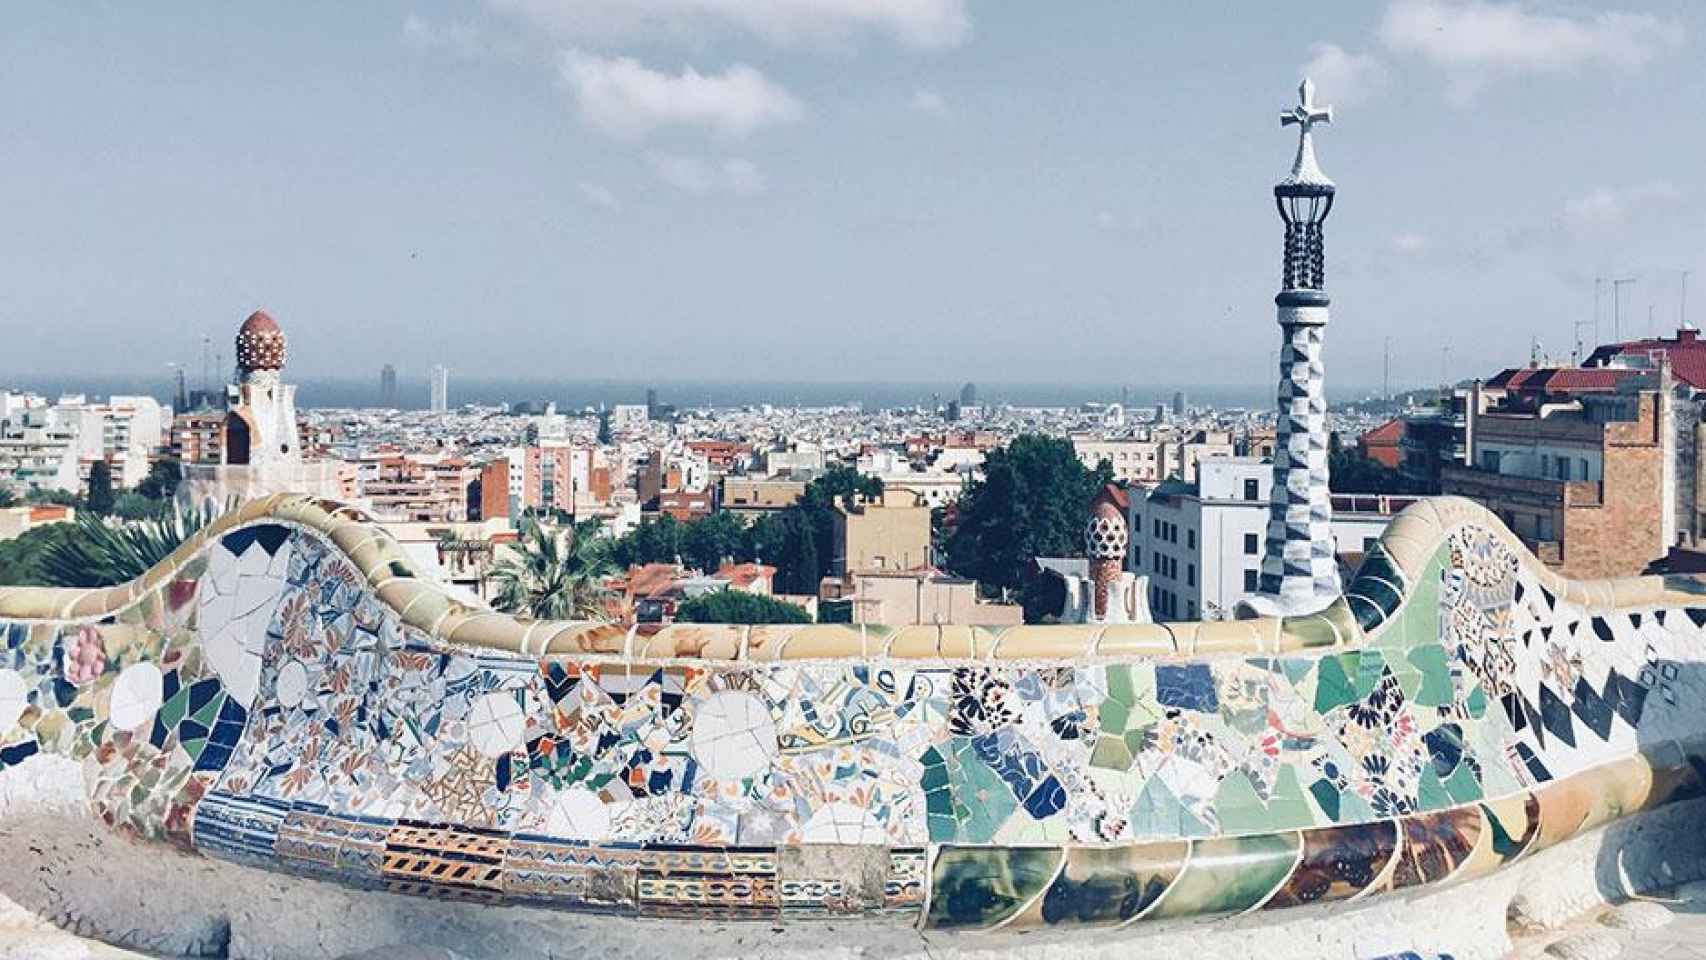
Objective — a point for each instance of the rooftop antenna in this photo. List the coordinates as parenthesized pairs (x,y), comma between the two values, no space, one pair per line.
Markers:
(1581,353)
(1617,307)
(206,363)
(1598,283)
(1386,373)
(1682,304)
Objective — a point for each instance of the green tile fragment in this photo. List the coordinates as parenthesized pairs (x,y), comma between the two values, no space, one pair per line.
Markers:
(1332,687)
(1436,688)
(1462,785)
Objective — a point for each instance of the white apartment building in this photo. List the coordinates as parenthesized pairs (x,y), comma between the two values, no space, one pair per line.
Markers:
(629,418)
(1133,460)
(49,447)
(801,458)
(1201,544)
(130,430)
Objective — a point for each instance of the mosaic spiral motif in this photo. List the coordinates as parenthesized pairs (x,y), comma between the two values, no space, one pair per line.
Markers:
(263,705)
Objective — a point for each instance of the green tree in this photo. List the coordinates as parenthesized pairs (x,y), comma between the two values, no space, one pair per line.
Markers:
(58,498)
(131,505)
(1030,503)
(1351,472)
(7,498)
(20,557)
(738,606)
(707,542)
(552,577)
(101,496)
(162,480)
(767,538)
(655,541)
(798,570)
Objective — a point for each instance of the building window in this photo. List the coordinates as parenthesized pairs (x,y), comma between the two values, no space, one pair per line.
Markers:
(1252,544)
(1190,574)
(1251,489)
(1251,581)
(1490,461)
(1191,539)
(1191,610)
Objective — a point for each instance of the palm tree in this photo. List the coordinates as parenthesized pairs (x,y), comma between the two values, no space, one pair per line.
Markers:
(105,553)
(552,577)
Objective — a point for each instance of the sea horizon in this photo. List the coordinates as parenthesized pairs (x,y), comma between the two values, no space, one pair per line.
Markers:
(582,393)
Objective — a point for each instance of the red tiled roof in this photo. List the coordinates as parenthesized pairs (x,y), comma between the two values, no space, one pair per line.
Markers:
(1562,379)
(1687,353)
(1386,434)
(652,579)
(744,574)
(1115,493)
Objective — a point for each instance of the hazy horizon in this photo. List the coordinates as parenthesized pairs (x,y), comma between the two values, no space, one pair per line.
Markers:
(577,393)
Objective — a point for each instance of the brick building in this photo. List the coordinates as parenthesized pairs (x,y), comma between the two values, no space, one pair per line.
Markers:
(1585,479)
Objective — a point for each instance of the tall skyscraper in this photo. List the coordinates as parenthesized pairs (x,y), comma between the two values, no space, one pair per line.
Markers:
(388,386)
(1300,574)
(651,403)
(968,395)
(440,388)
(1178,403)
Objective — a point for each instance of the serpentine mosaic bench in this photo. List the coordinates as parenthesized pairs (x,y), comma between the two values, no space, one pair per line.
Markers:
(285,692)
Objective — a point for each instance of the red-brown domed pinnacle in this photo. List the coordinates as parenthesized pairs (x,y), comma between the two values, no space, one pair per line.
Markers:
(260,343)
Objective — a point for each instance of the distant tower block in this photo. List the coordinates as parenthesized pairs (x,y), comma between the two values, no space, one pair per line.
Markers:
(1105,540)
(968,395)
(440,389)
(1300,573)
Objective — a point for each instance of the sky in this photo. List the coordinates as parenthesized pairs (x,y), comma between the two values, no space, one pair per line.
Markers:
(847,190)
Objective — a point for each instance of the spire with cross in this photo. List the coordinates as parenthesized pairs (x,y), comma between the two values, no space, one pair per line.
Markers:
(1300,572)
(1304,170)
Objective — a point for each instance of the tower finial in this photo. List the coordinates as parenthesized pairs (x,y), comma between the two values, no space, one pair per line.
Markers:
(1304,169)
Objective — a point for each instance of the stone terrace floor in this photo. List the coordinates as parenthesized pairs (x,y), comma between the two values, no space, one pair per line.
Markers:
(1607,934)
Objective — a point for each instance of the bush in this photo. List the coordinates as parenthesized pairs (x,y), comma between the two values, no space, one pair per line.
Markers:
(738,606)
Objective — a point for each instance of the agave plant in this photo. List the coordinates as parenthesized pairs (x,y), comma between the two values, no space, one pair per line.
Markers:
(104,553)
(554,577)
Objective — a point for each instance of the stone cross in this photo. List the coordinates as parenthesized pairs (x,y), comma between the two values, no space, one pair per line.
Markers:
(1306,115)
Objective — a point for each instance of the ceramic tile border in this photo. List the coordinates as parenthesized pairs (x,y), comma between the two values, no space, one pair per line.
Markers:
(1411,541)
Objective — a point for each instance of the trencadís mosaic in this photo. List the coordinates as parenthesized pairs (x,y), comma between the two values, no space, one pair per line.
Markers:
(263,702)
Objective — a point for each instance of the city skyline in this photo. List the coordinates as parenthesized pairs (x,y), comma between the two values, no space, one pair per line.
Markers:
(553,174)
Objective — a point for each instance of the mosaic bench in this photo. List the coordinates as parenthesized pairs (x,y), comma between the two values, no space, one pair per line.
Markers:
(286,692)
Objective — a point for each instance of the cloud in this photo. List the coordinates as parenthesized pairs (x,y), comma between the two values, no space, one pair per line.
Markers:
(1474,39)
(929,101)
(703,177)
(1409,244)
(924,24)
(1342,77)
(598,195)
(461,40)
(1606,206)
(626,99)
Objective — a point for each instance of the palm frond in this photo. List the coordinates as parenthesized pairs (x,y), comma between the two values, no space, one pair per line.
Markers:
(105,553)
